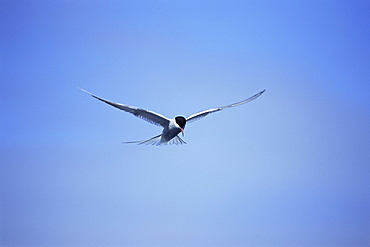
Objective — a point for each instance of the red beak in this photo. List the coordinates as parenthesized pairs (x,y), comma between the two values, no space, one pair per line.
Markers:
(182,130)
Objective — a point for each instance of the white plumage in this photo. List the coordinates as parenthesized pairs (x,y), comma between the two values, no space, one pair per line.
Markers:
(171,127)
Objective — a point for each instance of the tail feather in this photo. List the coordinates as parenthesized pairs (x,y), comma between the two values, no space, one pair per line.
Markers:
(176,140)
(159,141)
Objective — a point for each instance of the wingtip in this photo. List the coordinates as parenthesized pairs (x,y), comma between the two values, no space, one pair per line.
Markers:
(92,95)
(83,90)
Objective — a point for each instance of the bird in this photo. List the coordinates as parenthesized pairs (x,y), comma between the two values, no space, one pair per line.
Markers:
(171,127)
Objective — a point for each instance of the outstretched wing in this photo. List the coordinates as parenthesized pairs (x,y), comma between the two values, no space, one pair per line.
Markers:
(202,114)
(149,116)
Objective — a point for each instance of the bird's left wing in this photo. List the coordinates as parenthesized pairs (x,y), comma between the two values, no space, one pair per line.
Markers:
(202,114)
(149,116)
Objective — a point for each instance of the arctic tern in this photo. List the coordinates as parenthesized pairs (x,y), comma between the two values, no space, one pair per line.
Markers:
(171,127)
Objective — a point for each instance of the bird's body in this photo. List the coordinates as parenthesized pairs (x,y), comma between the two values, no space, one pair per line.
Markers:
(171,127)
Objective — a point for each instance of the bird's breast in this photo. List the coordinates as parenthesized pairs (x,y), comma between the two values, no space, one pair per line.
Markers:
(169,133)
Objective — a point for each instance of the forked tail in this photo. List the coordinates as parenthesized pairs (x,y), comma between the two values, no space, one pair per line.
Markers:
(159,141)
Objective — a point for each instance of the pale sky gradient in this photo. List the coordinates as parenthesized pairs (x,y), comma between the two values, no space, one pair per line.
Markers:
(291,168)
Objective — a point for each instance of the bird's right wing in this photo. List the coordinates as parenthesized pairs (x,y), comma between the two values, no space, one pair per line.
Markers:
(149,116)
(204,113)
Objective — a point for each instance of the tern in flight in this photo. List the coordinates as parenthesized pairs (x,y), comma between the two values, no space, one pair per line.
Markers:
(171,127)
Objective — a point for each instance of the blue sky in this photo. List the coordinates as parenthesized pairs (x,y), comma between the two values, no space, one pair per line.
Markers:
(288,169)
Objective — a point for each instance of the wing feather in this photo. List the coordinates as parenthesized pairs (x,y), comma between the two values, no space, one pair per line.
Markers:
(202,114)
(149,116)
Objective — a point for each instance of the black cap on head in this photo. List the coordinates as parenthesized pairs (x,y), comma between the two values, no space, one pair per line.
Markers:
(181,121)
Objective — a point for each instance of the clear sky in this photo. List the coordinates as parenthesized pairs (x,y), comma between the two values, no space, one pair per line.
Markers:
(291,168)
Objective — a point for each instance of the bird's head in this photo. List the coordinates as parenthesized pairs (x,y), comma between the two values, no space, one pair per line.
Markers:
(181,121)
